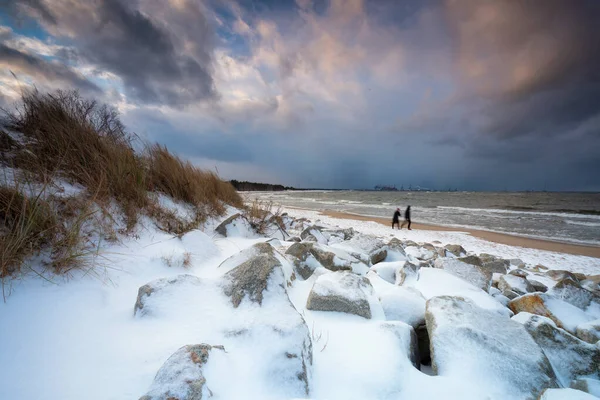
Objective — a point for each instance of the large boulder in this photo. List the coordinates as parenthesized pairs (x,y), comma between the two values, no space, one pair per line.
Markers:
(565,394)
(314,234)
(250,279)
(181,376)
(421,253)
(559,275)
(565,315)
(589,331)
(399,303)
(342,292)
(407,340)
(515,284)
(475,275)
(571,291)
(407,274)
(570,357)
(307,257)
(478,345)
(388,271)
(246,254)
(396,246)
(236,225)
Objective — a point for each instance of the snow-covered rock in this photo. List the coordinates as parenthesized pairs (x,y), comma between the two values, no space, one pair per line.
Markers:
(589,331)
(559,275)
(473,274)
(420,253)
(314,234)
(395,247)
(515,283)
(536,283)
(236,225)
(455,249)
(307,256)
(246,254)
(587,385)
(342,292)
(570,357)
(148,301)
(566,394)
(571,291)
(407,274)
(434,282)
(373,248)
(407,340)
(181,376)
(399,303)
(562,313)
(478,345)
(387,270)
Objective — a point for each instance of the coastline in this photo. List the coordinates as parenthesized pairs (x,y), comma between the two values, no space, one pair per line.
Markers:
(501,238)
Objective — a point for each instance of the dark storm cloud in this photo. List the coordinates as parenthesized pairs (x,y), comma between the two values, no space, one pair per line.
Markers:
(21,63)
(148,54)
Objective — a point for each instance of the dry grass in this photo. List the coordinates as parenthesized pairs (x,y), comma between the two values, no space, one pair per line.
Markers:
(264,218)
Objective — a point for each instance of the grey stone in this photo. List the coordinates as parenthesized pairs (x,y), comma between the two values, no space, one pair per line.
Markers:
(341,292)
(519,272)
(294,239)
(474,260)
(515,283)
(236,218)
(159,285)
(395,245)
(589,331)
(476,275)
(309,231)
(250,279)
(537,285)
(181,376)
(305,254)
(559,275)
(455,249)
(571,291)
(570,357)
(587,385)
(408,272)
(509,294)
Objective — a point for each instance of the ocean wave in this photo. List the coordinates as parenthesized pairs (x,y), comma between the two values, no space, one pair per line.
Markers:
(582,223)
(527,213)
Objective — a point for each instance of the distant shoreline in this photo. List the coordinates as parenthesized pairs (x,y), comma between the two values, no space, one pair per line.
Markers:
(502,238)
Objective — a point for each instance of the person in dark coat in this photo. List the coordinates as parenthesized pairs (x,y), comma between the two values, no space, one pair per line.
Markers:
(396,219)
(406,218)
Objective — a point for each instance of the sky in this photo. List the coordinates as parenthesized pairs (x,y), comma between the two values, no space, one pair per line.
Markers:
(467,94)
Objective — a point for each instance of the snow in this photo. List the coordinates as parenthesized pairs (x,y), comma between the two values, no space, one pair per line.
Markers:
(569,315)
(566,394)
(78,338)
(435,282)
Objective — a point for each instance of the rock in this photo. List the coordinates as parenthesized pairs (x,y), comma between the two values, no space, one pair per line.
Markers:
(537,285)
(236,225)
(181,377)
(387,270)
(589,331)
(474,260)
(587,385)
(373,248)
(400,303)
(421,253)
(475,275)
(455,249)
(145,304)
(342,292)
(519,272)
(409,243)
(306,257)
(562,313)
(441,252)
(515,283)
(407,273)
(246,254)
(407,339)
(591,285)
(571,291)
(570,357)
(509,294)
(470,343)
(294,239)
(311,230)
(565,394)
(559,275)
(342,234)
(250,279)
(517,262)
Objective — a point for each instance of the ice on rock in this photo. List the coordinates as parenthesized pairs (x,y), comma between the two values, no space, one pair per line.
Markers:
(570,291)
(514,283)
(371,247)
(473,344)
(570,357)
(469,272)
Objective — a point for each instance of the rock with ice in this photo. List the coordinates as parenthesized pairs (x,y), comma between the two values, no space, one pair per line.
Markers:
(434,282)
(519,272)
(395,247)
(559,275)
(473,344)
(250,279)
(566,394)
(570,357)
(419,253)
(562,313)
(407,340)
(342,292)
(537,284)
(589,331)
(314,234)
(181,376)
(571,291)
(587,385)
(246,254)
(475,275)
(387,270)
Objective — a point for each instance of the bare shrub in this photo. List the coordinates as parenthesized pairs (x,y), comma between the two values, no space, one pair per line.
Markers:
(264,218)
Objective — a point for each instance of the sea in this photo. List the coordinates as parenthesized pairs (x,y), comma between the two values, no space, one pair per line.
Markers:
(561,217)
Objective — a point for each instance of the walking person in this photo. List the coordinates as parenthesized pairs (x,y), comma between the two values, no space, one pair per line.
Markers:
(396,219)
(406,218)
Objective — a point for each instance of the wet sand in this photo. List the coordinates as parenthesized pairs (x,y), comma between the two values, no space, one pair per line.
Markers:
(510,240)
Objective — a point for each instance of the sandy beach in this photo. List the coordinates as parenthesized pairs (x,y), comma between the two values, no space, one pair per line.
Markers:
(510,240)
